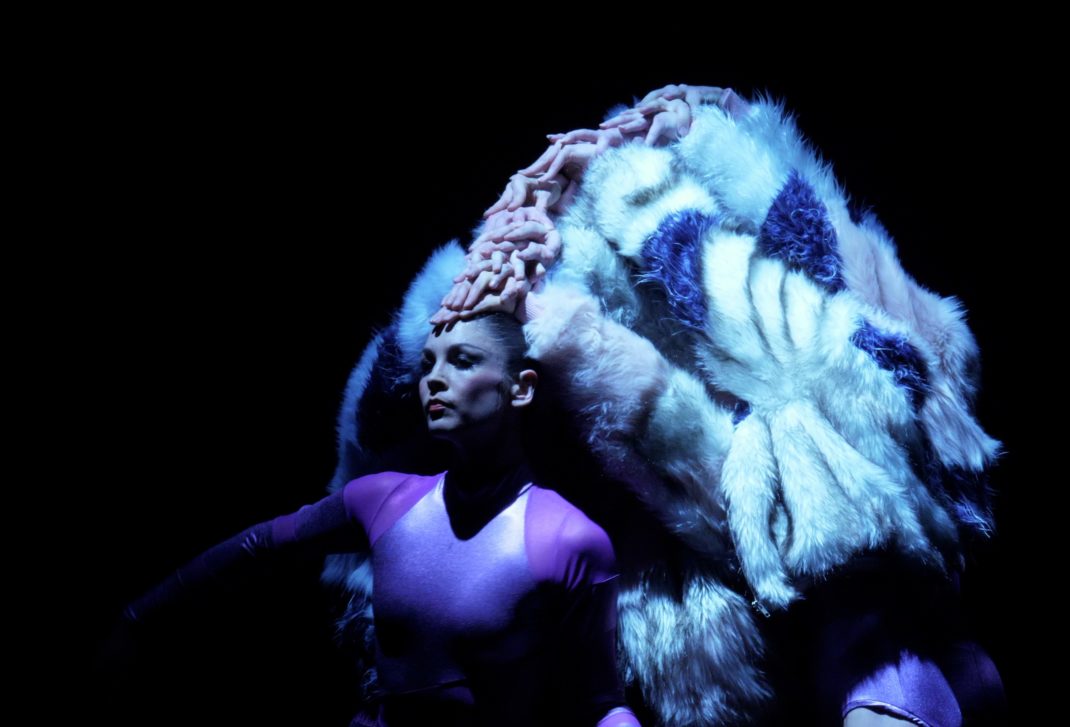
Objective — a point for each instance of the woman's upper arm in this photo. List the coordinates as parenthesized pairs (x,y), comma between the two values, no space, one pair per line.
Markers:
(318,528)
(312,531)
(335,524)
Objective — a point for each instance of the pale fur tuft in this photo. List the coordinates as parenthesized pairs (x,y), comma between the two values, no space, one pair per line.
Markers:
(694,654)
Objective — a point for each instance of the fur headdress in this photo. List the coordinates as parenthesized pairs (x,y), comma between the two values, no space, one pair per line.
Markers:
(745,356)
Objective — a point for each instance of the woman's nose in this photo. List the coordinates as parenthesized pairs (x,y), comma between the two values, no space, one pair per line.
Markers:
(434,378)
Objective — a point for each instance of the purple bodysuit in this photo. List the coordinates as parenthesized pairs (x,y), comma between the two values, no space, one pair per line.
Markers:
(515,624)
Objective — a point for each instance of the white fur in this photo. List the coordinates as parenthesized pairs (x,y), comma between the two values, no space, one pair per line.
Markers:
(695,657)
(818,471)
(746,161)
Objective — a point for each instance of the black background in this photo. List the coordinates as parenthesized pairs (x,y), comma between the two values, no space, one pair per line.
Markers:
(247,216)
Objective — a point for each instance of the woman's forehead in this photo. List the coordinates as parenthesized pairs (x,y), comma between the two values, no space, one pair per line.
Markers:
(469,333)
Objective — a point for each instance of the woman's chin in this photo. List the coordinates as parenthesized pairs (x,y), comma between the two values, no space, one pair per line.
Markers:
(442,431)
(461,439)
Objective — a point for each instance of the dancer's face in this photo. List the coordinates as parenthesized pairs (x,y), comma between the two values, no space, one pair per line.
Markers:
(464,387)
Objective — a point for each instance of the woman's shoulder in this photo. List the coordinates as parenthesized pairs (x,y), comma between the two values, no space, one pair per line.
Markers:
(383,478)
(564,544)
(379,498)
(376,483)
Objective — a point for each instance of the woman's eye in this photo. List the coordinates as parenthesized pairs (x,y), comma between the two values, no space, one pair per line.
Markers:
(464,362)
(426,365)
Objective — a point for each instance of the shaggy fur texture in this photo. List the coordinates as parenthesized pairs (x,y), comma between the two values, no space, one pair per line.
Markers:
(752,363)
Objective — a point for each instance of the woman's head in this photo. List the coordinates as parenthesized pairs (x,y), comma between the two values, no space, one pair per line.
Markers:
(475,379)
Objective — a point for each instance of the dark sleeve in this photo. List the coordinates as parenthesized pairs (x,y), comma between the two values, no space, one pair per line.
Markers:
(589,627)
(311,532)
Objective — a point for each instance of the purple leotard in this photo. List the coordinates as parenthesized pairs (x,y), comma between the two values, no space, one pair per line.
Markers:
(515,624)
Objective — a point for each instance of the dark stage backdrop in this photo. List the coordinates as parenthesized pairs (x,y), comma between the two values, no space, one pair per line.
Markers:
(259,218)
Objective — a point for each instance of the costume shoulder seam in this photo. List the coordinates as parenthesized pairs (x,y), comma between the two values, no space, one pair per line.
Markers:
(395,481)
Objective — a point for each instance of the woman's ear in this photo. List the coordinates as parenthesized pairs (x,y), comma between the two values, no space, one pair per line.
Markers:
(523,391)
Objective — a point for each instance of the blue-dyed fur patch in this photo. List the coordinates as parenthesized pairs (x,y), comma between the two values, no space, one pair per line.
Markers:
(798,231)
(672,261)
(893,352)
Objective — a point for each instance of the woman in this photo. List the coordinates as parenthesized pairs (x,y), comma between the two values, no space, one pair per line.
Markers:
(495,599)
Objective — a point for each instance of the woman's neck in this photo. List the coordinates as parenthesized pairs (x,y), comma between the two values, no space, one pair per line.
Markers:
(480,486)
(486,462)
(476,479)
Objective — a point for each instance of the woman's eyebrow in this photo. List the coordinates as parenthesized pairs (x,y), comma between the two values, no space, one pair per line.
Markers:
(455,346)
